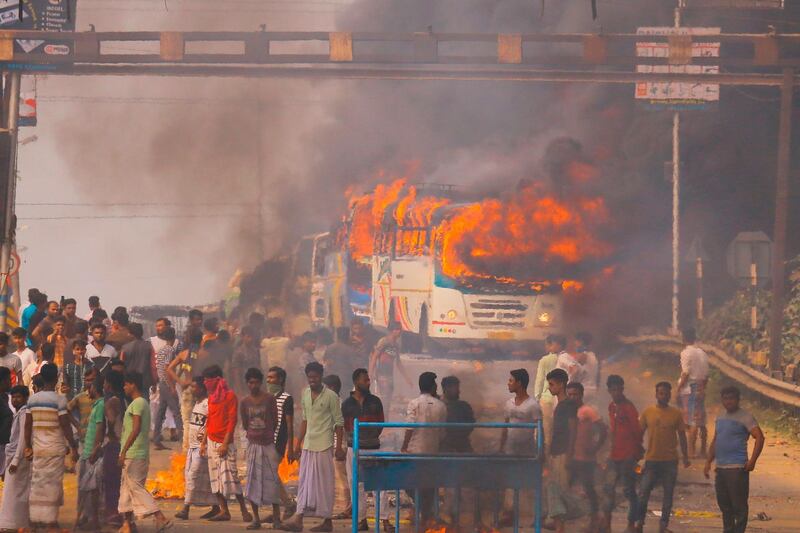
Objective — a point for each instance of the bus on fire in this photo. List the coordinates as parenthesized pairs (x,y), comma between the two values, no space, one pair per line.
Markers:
(403,281)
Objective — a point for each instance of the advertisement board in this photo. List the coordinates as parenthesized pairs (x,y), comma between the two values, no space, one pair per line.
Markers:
(668,95)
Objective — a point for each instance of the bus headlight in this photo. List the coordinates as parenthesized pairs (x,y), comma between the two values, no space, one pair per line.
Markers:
(544,318)
(452,314)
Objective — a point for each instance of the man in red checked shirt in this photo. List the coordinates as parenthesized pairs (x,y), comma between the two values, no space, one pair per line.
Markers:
(626,450)
(221,450)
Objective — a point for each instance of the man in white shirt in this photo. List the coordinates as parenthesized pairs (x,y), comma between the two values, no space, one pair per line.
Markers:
(25,354)
(692,390)
(569,364)
(590,373)
(98,351)
(425,408)
(161,325)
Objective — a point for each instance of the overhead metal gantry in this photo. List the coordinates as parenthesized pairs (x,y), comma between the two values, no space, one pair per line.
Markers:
(745,59)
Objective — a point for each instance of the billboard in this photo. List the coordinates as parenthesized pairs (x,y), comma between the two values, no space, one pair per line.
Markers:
(41,15)
(670,95)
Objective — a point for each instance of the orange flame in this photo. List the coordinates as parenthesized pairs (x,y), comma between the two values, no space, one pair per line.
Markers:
(169,484)
(530,237)
(288,471)
(527,226)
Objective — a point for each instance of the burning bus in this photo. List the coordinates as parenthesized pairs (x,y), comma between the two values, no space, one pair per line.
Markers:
(454,270)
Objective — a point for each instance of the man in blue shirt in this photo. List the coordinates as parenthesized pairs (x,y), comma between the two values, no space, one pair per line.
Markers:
(729,448)
(30,310)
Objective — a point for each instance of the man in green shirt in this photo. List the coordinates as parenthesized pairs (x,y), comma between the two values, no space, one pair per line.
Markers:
(134,458)
(322,417)
(90,465)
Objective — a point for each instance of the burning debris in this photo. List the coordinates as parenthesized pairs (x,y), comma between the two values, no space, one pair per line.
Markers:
(288,471)
(169,484)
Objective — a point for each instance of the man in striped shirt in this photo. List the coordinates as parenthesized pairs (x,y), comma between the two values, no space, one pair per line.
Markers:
(45,431)
(284,431)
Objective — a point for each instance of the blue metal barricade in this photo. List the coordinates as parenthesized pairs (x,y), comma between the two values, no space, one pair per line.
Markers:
(396,471)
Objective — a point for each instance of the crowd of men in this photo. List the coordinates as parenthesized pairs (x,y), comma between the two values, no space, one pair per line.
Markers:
(93,389)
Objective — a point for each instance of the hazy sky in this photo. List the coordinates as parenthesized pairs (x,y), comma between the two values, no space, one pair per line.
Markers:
(98,138)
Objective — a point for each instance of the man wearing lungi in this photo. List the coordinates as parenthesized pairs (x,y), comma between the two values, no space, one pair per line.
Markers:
(322,417)
(195,474)
(692,391)
(45,430)
(259,417)
(220,428)
(134,458)
(14,512)
(90,465)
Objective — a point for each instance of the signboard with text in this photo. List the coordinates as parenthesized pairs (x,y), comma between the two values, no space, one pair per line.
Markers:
(669,95)
(43,15)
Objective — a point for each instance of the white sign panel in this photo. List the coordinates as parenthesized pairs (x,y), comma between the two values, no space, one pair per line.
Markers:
(677,95)
(734,4)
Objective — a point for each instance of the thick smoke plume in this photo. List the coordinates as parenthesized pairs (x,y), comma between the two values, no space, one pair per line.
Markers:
(318,139)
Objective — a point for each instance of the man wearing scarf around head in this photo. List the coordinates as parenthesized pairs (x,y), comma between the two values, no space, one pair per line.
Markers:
(220,427)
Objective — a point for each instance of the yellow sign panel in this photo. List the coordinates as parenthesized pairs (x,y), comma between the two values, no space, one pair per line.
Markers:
(501,335)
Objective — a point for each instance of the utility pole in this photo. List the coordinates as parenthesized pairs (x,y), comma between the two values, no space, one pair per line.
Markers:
(259,174)
(676,190)
(779,231)
(8,182)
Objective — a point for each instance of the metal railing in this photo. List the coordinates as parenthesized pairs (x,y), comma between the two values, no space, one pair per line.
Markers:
(485,461)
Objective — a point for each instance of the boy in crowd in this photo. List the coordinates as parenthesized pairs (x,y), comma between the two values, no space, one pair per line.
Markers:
(259,419)
(134,458)
(90,465)
(732,483)
(665,427)
(74,369)
(14,514)
(562,447)
(220,429)
(590,435)
(198,484)
(46,429)
(322,418)
(626,450)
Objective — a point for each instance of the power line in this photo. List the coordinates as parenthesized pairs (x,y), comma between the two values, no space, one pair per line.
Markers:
(169,100)
(127,217)
(139,204)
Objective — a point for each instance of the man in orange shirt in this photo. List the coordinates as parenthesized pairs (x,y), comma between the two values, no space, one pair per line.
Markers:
(221,445)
